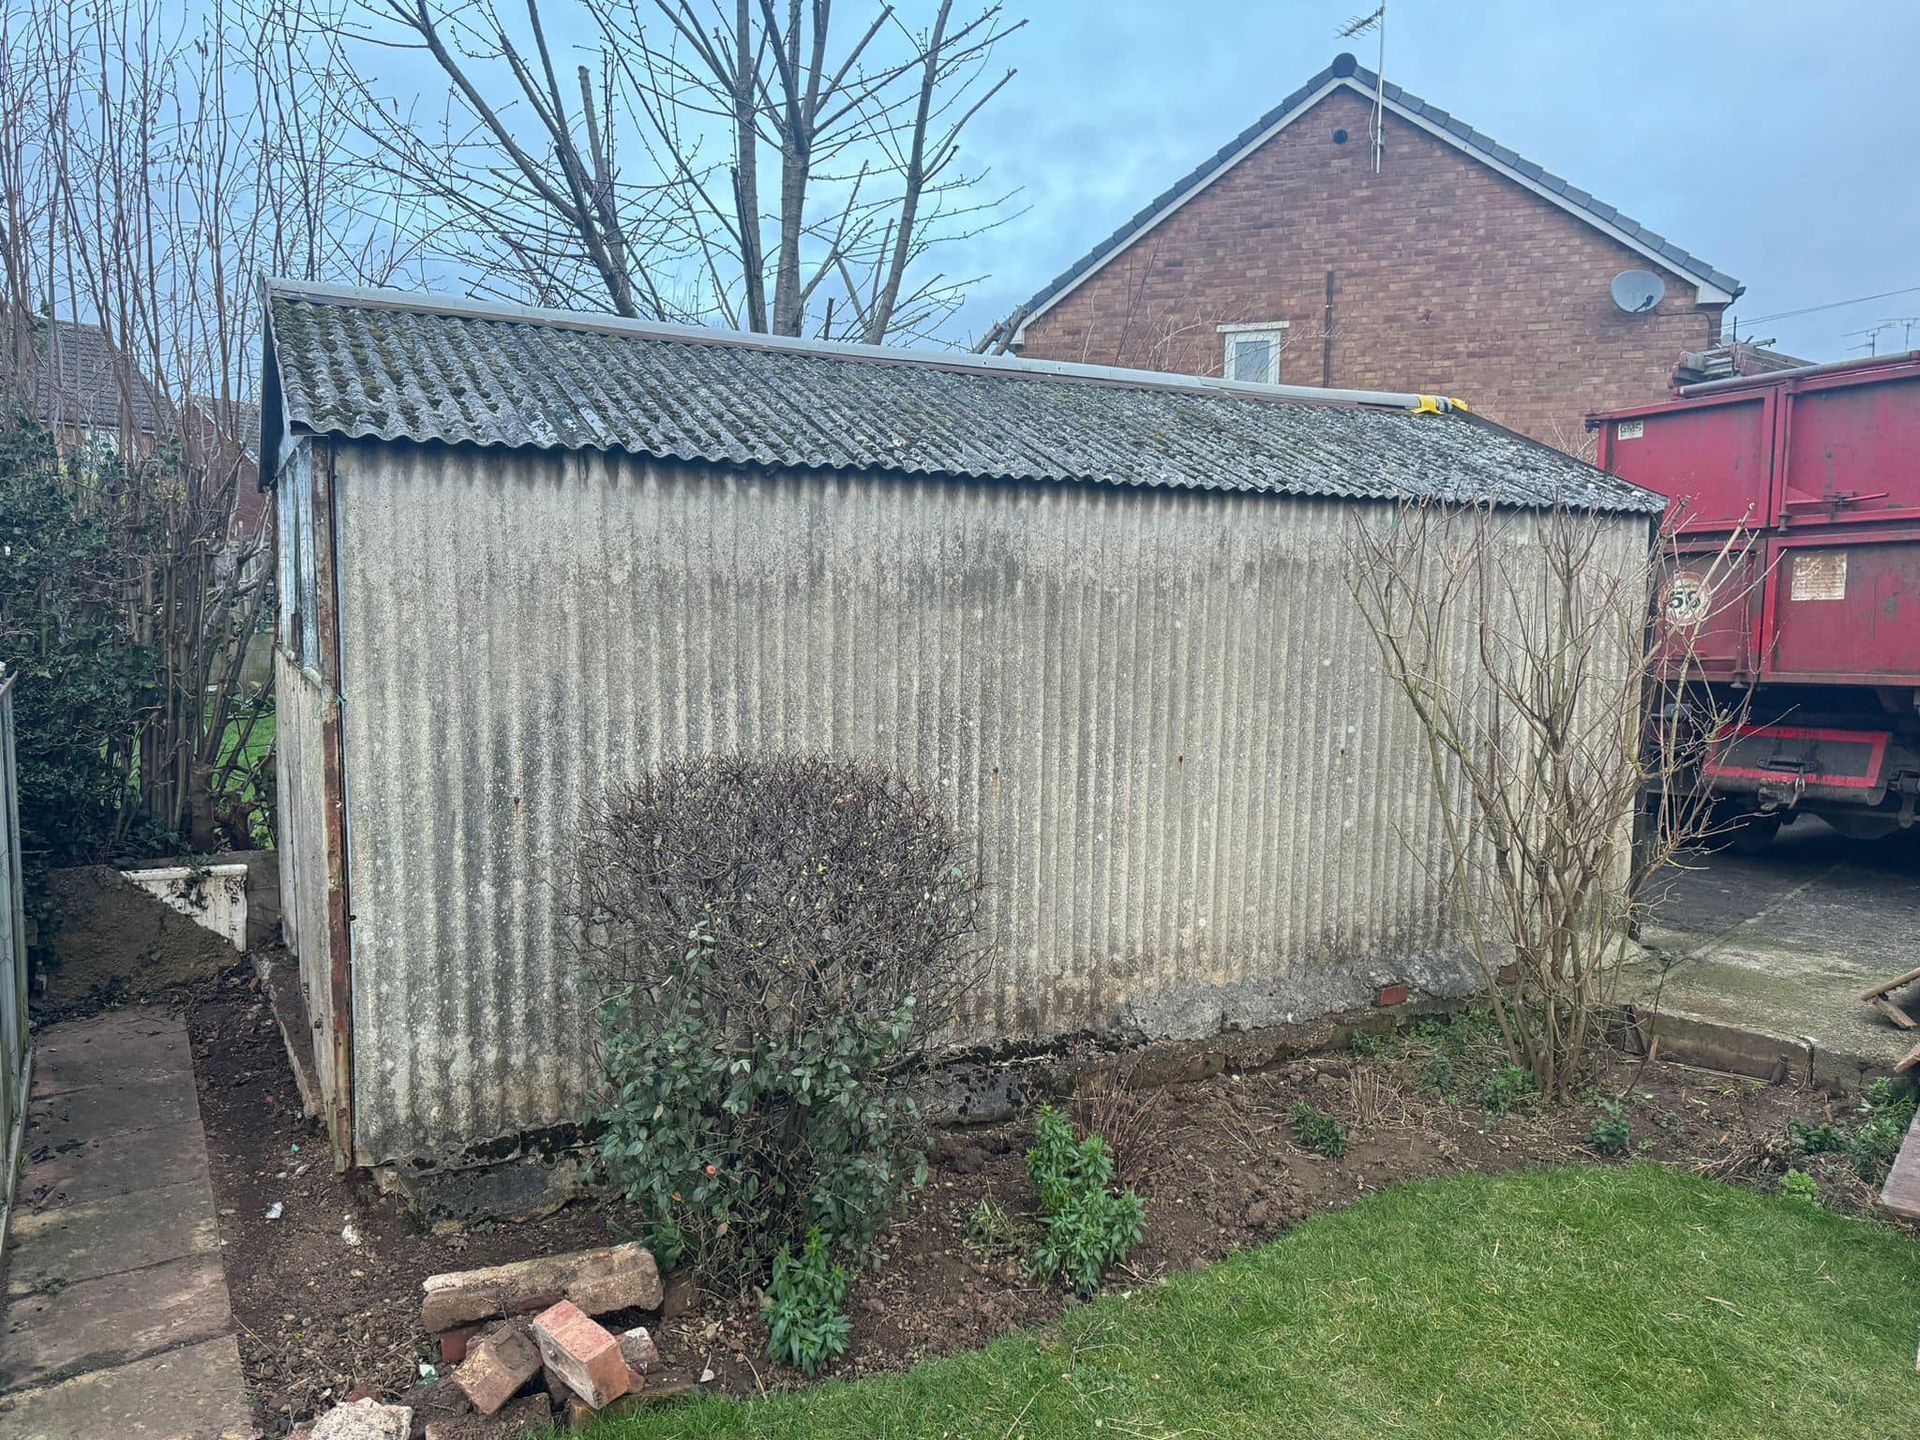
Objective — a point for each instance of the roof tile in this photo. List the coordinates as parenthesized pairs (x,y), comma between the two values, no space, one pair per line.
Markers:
(394,367)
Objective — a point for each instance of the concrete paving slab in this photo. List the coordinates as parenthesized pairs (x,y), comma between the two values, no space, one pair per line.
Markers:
(117,1320)
(105,1322)
(121,1048)
(117,1164)
(193,1393)
(1776,948)
(75,1116)
(85,1240)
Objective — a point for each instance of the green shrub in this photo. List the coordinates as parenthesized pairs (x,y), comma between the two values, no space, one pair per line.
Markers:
(1799,1187)
(1086,1226)
(1611,1131)
(1506,1089)
(1318,1131)
(87,681)
(806,1324)
(779,942)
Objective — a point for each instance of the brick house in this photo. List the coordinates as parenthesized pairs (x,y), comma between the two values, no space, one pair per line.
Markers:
(1460,268)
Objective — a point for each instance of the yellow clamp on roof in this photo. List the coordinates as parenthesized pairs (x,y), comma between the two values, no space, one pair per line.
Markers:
(1435,405)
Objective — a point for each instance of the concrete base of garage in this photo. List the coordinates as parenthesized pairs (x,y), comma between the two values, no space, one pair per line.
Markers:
(1756,964)
(116,1318)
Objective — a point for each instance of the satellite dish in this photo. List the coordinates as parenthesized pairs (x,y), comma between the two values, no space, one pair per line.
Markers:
(1637,291)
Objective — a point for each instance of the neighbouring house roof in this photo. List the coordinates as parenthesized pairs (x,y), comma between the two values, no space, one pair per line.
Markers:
(237,419)
(1347,73)
(396,367)
(75,377)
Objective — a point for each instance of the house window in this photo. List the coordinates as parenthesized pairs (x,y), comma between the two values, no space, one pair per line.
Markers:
(1253,351)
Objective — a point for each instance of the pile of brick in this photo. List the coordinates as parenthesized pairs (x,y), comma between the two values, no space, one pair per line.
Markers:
(521,1350)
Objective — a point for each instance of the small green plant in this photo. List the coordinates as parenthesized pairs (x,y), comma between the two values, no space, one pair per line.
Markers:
(1611,1131)
(1800,1187)
(1874,1141)
(1440,1076)
(1458,1033)
(1506,1090)
(1873,1138)
(806,1326)
(1317,1131)
(1086,1226)
(996,1233)
(1371,1044)
(1823,1139)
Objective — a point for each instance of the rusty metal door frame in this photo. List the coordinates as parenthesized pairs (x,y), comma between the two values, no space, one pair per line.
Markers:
(334,810)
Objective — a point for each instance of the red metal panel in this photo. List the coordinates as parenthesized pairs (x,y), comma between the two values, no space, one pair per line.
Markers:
(1708,608)
(1843,609)
(1713,457)
(1867,749)
(1852,449)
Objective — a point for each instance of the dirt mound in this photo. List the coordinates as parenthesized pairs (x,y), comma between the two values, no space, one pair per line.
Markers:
(109,940)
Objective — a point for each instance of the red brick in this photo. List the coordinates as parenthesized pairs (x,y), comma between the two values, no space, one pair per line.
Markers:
(584,1354)
(498,1363)
(454,1342)
(1394,994)
(621,1277)
(1448,277)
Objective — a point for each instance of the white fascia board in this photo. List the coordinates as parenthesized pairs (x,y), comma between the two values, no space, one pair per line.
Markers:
(1707,293)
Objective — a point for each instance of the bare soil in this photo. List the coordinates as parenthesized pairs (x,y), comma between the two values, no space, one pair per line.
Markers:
(325,1314)
(111,942)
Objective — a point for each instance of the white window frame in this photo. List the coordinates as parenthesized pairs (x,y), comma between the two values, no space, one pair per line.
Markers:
(1274,332)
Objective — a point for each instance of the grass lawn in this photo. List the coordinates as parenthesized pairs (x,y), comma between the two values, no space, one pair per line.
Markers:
(1583,1301)
(257,744)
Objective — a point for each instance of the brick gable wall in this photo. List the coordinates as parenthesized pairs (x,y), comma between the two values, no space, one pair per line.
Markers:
(1448,278)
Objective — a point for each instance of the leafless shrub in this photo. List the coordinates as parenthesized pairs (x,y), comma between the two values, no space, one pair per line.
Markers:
(1375,1100)
(1560,737)
(1129,1117)
(824,887)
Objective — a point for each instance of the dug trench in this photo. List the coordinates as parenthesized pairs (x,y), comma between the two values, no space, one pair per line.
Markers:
(326,1273)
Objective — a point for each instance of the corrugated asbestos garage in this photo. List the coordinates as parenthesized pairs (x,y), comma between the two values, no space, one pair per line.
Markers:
(1103,615)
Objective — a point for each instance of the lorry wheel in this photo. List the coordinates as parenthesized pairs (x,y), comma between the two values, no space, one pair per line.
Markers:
(1753,834)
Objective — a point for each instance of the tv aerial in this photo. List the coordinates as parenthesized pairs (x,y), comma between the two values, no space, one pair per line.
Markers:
(1638,291)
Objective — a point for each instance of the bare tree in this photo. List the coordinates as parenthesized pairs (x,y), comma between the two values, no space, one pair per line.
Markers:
(157,166)
(739,160)
(1560,737)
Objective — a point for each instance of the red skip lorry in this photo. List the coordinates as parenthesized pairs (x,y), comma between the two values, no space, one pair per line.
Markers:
(1817,627)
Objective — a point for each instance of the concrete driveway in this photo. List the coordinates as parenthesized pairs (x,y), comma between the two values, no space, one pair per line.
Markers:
(1779,947)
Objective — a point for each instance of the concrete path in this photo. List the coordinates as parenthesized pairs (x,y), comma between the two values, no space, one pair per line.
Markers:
(1765,956)
(116,1320)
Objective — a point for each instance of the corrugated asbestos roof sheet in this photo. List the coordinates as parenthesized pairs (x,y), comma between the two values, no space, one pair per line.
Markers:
(397,367)
(1468,138)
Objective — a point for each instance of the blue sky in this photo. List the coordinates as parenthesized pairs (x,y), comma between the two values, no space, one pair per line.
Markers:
(1777,141)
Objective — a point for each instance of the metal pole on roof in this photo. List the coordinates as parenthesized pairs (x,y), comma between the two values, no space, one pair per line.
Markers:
(1360,25)
(1380,95)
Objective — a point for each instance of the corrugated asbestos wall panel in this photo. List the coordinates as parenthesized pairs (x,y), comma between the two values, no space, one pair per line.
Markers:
(1198,803)
(300,705)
